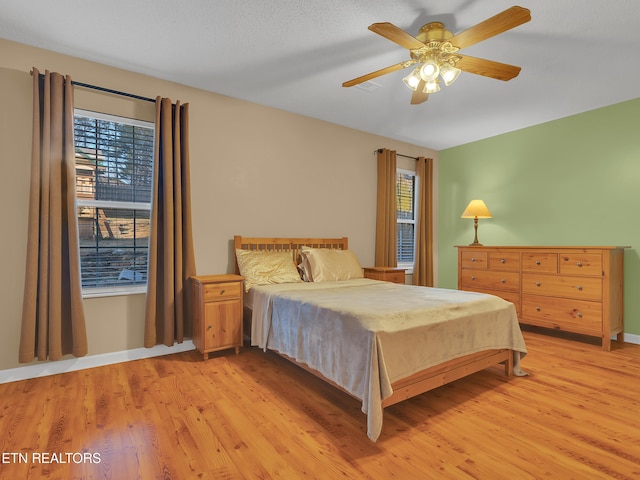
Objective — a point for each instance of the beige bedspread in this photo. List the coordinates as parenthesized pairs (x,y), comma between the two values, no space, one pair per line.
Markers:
(365,334)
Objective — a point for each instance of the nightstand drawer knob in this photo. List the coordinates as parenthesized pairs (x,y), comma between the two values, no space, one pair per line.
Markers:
(537,284)
(579,264)
(222,292)
(473,277)
(473,259)
(537,262)
(537,309)
(503,280)
(579,314)
(502,260)
(579,287)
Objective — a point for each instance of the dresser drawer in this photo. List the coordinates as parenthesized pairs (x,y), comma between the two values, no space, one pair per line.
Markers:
(475,260)
(486,279)
(540,262)
(583,288)
(563,314)
(504,261)
(513,297)
(581,264)
(217,291)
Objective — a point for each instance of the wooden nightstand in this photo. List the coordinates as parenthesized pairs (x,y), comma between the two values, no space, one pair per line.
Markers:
(387,274)
(217,312)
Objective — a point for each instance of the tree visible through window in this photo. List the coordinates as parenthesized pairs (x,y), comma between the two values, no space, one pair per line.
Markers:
(114,176)
(406,217)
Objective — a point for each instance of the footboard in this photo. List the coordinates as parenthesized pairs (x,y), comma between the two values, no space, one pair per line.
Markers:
(448,372)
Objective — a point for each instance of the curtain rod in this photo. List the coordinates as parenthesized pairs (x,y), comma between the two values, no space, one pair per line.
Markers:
(397,154)
(115,92)
(107,90)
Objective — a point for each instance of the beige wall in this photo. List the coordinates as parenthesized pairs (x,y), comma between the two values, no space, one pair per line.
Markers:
(256,171)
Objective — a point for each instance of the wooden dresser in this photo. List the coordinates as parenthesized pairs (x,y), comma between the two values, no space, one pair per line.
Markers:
(573,289)
(217,312)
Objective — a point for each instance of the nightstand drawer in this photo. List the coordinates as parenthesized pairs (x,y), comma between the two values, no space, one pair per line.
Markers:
(217,291)
(395,277)
(386,274)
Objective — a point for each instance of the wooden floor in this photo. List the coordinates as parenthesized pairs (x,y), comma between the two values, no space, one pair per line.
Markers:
(255,416)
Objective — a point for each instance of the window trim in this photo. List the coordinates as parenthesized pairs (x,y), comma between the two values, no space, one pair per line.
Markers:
(408,266)
(112,291)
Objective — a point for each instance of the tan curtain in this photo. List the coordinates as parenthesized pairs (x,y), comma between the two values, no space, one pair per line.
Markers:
(423,266)
(171,256)
(53,321)
(386,241)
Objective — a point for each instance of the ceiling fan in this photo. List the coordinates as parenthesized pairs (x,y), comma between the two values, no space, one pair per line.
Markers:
(434,52)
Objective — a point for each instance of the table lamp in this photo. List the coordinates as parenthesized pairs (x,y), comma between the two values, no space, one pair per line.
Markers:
(476,209)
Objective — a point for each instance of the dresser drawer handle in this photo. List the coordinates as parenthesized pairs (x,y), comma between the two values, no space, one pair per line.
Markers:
(222,292)
(579,314)
(473,259)
(503,280)
(579,264)
(537,284)
(473,277)
(537,262)
(502,260)
(579,287)
(537,309)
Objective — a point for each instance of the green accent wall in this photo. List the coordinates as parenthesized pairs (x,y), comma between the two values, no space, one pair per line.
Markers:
(573,181)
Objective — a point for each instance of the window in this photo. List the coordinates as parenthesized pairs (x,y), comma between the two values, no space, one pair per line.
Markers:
(406,217)
(114,177)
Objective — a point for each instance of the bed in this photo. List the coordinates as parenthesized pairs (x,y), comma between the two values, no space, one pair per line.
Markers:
(378,341)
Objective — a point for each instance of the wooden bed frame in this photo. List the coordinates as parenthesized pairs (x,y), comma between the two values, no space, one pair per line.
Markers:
(417,383)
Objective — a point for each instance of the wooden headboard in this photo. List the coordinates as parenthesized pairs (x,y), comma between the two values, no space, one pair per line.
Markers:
(286,244)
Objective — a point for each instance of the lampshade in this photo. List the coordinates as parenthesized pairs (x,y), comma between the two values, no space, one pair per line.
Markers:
(413,79)
(432,86)
(449,74)
(476,209)
(429,70)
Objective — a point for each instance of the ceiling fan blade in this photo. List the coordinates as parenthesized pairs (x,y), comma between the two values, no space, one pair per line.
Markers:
(396,34)
(487,68)
(378,73)
(418,95)
(506,20)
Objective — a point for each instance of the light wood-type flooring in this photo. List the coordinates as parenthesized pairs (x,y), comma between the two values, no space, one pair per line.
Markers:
(256,416)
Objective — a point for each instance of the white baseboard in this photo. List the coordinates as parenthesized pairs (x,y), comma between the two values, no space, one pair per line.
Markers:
(69,365)
(631,338)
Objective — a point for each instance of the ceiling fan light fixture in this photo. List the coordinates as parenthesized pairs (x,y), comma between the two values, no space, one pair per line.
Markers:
(429,70)
(413,79)
(449,73)
(432,86)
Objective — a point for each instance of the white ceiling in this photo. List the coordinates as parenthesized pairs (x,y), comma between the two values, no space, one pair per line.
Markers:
(576,55)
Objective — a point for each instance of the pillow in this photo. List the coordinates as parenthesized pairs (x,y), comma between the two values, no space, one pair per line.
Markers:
(264,267)
(329,265)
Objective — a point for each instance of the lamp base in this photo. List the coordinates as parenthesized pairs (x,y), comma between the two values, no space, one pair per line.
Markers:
(475,243)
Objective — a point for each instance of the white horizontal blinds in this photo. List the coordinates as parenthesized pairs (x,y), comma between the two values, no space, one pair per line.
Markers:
(114,176)
(406,218)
